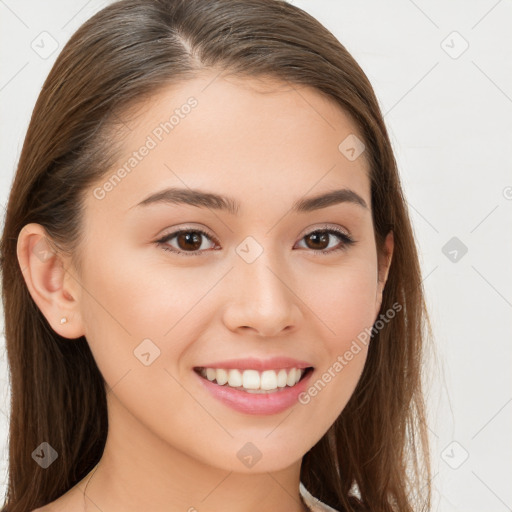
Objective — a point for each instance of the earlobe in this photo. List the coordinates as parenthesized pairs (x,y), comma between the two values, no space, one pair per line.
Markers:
(44,273)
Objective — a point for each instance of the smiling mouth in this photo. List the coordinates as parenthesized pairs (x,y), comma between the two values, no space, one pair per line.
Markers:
(254,381)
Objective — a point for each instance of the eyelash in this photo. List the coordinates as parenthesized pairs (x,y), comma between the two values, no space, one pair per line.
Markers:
(346,239)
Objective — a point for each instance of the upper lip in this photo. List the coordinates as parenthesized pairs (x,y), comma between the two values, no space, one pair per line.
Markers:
(274,363)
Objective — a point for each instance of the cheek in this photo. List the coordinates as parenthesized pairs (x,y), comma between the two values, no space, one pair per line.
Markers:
(344,300)
(129,302)
(140,300)
(345,304)
(137,329)
(126,305)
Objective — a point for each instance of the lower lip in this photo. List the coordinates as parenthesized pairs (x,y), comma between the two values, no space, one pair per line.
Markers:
(257,403)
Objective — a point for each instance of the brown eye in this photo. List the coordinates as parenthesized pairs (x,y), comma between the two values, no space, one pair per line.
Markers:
(319,240)
(188,241)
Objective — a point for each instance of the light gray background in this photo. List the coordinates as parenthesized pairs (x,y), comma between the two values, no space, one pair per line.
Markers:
(449,117)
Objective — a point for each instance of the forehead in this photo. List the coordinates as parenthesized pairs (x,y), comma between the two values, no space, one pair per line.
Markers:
(249,138)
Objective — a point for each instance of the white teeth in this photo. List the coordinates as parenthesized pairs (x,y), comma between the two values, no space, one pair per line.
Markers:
(252,380)
(221,376)
(290,381)
(268,380)
(234,378)
(281,379)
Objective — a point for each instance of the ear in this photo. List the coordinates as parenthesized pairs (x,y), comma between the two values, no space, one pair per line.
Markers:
(52,287)
(384,257)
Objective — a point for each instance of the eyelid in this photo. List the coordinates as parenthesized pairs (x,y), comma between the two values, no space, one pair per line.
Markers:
(180,228)
(325,227)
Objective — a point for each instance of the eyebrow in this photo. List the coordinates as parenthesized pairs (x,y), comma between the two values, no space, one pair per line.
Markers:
(201,199)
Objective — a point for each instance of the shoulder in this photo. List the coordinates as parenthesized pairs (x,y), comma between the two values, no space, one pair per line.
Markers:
(72,501)
(51,507)
(56,506)
(314,504)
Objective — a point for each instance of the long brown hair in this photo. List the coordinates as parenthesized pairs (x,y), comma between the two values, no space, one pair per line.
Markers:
(375,456)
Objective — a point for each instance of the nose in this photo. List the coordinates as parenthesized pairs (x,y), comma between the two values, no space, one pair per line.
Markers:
(261,298)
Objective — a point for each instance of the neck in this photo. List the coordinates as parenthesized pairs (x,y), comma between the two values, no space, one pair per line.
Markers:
(139,471)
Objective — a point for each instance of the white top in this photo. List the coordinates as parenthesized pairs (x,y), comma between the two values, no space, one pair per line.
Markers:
(314,504)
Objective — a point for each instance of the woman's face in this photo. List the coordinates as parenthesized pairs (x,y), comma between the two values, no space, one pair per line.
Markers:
(255,285)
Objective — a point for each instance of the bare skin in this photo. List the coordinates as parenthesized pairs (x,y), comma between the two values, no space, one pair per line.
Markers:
(171,445)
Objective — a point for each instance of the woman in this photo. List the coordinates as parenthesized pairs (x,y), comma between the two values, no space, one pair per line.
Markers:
(211,288)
